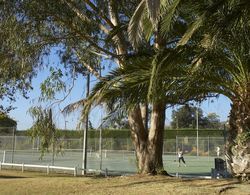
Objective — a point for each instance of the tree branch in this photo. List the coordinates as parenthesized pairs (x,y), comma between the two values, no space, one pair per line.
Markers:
(88,38)
(69,91)
(83,17)
(101,15)
(90,69)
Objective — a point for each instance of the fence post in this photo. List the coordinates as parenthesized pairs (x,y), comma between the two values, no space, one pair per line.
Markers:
(47,169)
(13,144)
(106,172)
(38,143)
(100,146)
(4,156)
(75,171)
(0,165)
(176,144)
(208,146)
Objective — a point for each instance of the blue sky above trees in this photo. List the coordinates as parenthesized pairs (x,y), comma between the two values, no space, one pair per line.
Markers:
(220,106)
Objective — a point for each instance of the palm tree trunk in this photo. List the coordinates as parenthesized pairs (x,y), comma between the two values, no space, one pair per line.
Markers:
(238,144)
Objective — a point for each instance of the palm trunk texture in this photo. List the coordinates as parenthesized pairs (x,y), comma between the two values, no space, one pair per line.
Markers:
(238,144)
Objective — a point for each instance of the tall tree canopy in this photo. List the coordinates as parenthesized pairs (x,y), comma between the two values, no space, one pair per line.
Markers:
(6,121)
(186,117)
(173,52)
(17,55)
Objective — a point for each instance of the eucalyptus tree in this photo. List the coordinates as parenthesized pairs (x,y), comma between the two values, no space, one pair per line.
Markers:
(84,33)
(16,56)
(45,129)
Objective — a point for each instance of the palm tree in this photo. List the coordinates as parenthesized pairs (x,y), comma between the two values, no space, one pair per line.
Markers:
(223,61)
(225,70)
(219,32)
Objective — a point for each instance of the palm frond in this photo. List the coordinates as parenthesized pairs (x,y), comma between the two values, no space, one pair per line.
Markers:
(134,28)
(191,30)
(155,81)
(153,7)
(147,27)
(169,17)
(73,107)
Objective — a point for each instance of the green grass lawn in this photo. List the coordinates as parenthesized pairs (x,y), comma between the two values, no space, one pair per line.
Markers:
(16,182)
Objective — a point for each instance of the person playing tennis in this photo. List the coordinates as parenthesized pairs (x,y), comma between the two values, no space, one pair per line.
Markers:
(181,158)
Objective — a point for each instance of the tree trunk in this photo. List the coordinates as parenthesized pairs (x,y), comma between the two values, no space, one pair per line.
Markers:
(148,144)
(238,144)
(144,114)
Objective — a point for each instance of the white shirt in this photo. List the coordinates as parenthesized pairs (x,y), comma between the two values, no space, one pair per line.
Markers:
(180,154)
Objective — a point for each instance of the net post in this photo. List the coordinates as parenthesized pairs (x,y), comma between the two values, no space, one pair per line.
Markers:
(0,165)
(22,168)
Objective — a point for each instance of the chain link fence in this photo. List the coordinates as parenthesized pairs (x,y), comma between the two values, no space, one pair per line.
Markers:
(103,153)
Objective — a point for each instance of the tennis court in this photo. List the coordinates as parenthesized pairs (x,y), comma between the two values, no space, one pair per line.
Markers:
(114,161)
(115,154)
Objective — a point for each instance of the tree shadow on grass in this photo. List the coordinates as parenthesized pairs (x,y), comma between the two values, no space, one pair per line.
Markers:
(12,177)
(227,184)
(167,180)
(224,189)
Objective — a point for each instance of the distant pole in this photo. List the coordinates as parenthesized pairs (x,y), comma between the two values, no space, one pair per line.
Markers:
(53,138)
(208,146)
(176,138)
(197,130)
(13,143)
(100,147)
(65,125)
(100,142)
(85,137)
(177,124)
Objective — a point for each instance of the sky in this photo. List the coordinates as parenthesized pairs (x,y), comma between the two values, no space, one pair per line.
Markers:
(220,106)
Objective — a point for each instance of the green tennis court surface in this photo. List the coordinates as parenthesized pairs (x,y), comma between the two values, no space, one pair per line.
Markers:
(113,161)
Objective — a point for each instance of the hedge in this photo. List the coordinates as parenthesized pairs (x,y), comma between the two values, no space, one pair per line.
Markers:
(125,133)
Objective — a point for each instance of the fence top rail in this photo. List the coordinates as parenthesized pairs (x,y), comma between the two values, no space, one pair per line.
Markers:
(7,127)
(38,166)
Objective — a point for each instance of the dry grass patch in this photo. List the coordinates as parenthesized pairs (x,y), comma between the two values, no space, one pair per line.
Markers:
(14,182)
